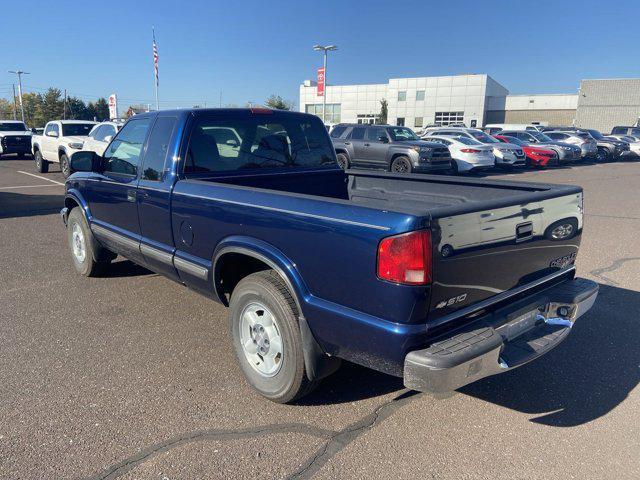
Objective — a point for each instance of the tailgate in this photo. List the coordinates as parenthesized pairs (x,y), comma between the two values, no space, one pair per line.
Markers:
(483,253)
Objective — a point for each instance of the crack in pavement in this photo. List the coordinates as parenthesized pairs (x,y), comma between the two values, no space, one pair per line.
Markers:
(340,440)
(617,264)
(335,440)
(120,468)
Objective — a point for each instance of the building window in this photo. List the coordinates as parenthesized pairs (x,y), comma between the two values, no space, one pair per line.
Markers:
(402,96)
(332,114)
(400,122)
(419,95)
(368,118)
(418,122)
(449,118)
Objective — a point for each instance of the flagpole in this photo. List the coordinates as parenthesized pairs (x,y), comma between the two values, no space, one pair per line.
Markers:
(155,66)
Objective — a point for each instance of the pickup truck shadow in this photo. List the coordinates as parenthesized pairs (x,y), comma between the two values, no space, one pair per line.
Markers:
(23,205)
(586,377)
(352,383)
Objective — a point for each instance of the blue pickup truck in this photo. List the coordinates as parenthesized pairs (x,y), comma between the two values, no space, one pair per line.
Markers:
(439,280)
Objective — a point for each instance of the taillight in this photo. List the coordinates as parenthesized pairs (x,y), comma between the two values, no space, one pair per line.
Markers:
(406,258)
(469,150)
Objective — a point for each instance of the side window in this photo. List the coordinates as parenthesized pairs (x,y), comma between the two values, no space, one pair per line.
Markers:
(54,128)
(94,132)
(338,131)
(48,129)
(100,133)
(531,128)
(374,134)
(619,130)
(156,154)
(357,133)
(109,131)
(124,152)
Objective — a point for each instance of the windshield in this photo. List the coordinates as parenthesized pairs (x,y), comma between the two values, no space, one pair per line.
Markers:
(514,140)
(76,129)
(541,137)
(482,137)
(400,134)
(596,134)
(13,127)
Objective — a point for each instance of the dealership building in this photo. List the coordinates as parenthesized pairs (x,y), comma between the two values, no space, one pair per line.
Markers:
(475,100)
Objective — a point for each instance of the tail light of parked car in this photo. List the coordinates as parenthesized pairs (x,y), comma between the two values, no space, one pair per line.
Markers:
(405,258)
(469,150)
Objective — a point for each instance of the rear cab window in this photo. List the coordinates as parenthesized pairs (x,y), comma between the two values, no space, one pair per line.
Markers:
(224,142)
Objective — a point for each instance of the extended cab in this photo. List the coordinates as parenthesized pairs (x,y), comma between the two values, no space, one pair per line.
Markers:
(385,147)
(14,138)
(440,280)
(60,139)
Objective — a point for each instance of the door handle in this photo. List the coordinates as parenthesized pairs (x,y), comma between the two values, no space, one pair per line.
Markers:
(347,143)
(142,194)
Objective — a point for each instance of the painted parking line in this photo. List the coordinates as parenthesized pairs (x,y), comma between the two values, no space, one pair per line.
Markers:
(41,178)
(28,186)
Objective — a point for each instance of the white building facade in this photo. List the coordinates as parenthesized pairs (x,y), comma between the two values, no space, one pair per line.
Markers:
(413,102)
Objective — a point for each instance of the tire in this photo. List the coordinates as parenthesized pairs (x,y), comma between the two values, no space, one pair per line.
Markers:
(343,161)
(64,165)
(262,309)
(42,166)
(401,164)
(89,258)
(454,168)
(603,155)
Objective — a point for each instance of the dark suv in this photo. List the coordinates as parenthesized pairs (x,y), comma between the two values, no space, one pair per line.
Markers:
(387,147)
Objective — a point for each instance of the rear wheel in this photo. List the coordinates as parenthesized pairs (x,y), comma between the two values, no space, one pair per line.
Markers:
(89,258)
(343,161)
(454,168)
(42,165)
(64,165)
(401,164)
(266,337)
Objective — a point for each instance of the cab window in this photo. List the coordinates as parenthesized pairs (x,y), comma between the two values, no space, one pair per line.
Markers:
(123,153)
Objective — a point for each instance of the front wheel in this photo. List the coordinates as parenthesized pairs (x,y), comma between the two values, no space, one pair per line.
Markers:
(266,337)
(64,165)
(89,258)
(401,164)
(42,166)
(343,161)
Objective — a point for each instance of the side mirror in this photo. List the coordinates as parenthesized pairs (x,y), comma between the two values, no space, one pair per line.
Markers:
(108,138)
(33,130)
(52,134)
(383,139)
(84,161)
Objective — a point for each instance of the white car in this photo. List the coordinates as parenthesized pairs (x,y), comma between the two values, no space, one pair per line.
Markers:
(507,154)
(531,127)
(466,153)
(14,138)
(61,139)
(100,137)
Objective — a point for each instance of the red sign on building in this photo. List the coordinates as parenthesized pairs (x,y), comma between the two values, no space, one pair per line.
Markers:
(321,82)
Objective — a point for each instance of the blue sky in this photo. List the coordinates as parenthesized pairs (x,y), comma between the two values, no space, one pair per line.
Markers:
(251,49)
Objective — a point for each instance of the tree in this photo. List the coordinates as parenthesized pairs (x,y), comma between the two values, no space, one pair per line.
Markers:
(33,115)
(384,112)
(102,109)
(278,103)
(77,109)
(6,109)
(52,104)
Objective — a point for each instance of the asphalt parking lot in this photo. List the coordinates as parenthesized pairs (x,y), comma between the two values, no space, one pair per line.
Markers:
(132,376)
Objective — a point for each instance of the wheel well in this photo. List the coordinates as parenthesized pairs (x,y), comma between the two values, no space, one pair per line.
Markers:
(233,267)
(396,155)
(70,203)
(60,152)
(344,152)
(36,148)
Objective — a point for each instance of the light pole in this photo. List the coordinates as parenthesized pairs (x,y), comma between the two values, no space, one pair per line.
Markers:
(324,50)
(19,73)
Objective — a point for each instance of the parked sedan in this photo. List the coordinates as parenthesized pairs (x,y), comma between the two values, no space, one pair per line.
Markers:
(467,154)
(536,156)
(588,146)
(507,155)
(100,136)
(565,151)
(608,148)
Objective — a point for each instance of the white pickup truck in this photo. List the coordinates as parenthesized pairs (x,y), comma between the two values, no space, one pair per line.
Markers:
(60,139)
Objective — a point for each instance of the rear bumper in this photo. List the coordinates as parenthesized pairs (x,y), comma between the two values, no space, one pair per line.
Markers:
(502,341)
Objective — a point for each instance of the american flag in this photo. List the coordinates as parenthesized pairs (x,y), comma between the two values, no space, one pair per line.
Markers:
(155,56)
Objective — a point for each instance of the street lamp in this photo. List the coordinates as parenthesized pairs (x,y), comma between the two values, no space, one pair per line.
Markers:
(324,50)
(19,73)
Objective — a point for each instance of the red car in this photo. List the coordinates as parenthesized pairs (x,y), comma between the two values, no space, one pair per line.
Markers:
(536,156)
